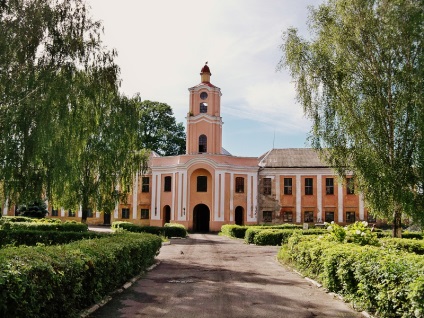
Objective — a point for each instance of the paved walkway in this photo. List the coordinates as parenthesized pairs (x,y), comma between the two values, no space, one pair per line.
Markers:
(208,275)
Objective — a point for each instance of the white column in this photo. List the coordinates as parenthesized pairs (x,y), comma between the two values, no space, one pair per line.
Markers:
(80,211)
(116,211)
(252,195)
(174,182)
(298,198)
(277,188)
(62,212)
(156,186)
(319,198)
(222,198)
(232,197)
(179,194)
(135,193)
(185,194)
(361,207)
(217,195)
(340,202)
(6,207)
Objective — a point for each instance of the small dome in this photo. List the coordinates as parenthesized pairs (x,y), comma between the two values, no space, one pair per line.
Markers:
(205,69)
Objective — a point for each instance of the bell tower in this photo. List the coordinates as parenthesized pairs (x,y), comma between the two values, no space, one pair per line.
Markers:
(204,122)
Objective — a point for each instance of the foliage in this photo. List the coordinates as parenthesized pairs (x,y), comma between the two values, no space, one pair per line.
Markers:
(386,282)
(360,81)
(157,129)
(37,209)
(54,68)
(237,231)
(33,237)
(46,226)
(60,281)
(166,231)
(358,233)
(402,244)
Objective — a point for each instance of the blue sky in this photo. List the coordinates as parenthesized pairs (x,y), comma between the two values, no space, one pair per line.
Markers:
(163,44)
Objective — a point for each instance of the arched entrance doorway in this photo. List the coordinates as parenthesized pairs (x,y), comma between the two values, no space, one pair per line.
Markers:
(201,218)
(166,214)
(239,217)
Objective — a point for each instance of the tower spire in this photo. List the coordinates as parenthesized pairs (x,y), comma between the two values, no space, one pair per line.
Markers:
(205,74)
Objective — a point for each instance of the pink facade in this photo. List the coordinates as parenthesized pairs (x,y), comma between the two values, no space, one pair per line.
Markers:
(207,187)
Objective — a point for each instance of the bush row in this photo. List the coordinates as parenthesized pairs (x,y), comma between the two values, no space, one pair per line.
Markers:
(401,244)
(60,281)
(69,226)
(35,237)
(169,230)
(278,237)
(274,236)
(389,283)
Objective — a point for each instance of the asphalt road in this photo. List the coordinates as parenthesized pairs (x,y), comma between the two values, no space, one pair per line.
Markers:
(208,275)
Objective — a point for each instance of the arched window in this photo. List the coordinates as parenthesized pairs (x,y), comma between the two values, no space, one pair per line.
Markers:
(203,107)
(203,141)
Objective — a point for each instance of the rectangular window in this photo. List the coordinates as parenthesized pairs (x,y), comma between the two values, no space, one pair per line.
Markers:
(288,186)
(144,213)
(240,185)
(71,213)
(55,212)
(309,186)
(350,217)
(167,185)
(267,186)
(350,186)
(329,217)
(202,184)
(145,183)
(89,213)
(125,213)
(267,216)
(329,185)
(288,217)
(308,217)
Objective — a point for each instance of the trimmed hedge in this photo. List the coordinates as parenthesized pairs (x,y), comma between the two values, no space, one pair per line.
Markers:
(60,281)
(237,231)
(251,232)
(6,218)
(34,237)
(65,226)
(279,237)
(167,231)
(391,284)
(401,244)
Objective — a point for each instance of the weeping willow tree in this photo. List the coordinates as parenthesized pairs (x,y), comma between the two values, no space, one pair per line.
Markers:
(65,132)
(360,80)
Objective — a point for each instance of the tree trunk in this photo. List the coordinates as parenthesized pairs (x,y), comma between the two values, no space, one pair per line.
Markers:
(397,223)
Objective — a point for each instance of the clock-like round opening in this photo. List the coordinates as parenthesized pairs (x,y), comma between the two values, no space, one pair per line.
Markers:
(203,95)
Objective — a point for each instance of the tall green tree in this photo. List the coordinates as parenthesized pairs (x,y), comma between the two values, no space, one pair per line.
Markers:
(360,81)
(157,128)
(45,45)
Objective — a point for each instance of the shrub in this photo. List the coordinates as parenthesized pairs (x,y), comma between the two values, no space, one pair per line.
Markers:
(401,244)
(167,231)
(358,233)
(34,237)
(40,226)
(236,231)
(389,283)
(60,281)
(275,236)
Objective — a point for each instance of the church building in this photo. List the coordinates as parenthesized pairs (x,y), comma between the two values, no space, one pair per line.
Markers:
(208,187)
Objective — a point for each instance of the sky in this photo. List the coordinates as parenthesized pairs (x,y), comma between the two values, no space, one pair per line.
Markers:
(163,44)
